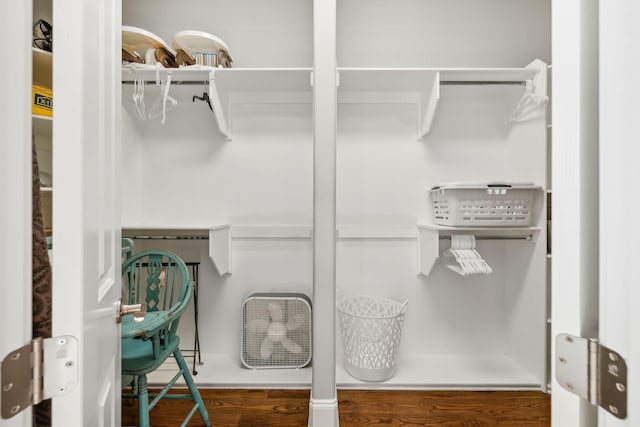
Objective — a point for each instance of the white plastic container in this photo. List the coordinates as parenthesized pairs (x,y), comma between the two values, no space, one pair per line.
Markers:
(371,328)
(485,205)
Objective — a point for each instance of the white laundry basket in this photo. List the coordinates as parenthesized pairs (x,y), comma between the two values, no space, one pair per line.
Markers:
(485,205)
(371,328)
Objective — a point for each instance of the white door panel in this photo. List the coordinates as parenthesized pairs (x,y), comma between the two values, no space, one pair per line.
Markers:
(86,204)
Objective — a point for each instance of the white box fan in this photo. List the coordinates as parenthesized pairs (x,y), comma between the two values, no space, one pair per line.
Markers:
(276,331)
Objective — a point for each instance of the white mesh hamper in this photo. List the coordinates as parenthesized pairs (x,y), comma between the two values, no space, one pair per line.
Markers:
(371,328)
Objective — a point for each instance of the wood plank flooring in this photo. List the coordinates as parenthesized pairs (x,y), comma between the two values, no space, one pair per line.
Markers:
(289,408)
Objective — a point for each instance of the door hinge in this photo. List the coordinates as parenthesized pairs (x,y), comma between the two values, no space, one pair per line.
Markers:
(592,371)
(40,370)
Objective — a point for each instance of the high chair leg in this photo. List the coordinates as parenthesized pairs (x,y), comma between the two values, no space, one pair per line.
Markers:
(195,394)
(143,401)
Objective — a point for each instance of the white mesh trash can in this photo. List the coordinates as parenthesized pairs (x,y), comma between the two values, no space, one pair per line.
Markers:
(371,328)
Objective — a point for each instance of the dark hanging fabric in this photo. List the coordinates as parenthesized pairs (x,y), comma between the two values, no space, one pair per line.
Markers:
(41,283)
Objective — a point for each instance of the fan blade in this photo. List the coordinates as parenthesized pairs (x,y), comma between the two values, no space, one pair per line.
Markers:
(257,325)
(275,311)
(266,348)
(298,320)
(291,345)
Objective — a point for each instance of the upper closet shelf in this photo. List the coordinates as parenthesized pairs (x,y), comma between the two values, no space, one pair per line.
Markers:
(422,85)
(42,67)
(227,86)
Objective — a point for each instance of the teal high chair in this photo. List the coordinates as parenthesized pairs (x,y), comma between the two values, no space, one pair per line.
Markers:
(158,280)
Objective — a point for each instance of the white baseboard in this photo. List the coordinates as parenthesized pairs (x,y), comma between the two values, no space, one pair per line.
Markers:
(323,413)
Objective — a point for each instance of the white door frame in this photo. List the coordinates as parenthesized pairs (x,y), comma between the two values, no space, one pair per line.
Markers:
(620,193)
(596,129)
(574,148)
(15,185)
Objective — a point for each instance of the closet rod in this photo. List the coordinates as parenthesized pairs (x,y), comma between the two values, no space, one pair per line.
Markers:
(177,82)
(172,237)
(527,237)
(481,82)
(442,82)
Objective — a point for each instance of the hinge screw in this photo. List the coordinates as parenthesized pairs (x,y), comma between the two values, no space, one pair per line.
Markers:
(569,386)
(15,356)
(7,387)
(61,388)
(69,364)
(562,360)
(613,410)
(621,388)
(15,409)
(613,357)
(62,341)
(569,339)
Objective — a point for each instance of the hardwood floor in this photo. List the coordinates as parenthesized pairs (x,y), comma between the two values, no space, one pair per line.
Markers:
(289,408)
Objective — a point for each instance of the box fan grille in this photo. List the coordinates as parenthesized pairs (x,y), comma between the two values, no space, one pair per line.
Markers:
(276,331)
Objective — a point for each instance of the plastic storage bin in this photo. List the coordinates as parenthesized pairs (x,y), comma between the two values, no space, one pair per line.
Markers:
(371,328)
(484,205)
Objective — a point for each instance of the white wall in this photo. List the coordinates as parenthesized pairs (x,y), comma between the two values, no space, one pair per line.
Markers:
(185,174)
(443,33)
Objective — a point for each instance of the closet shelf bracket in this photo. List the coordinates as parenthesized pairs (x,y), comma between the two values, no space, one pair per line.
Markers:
(220,248)
(429,106)
(218,111)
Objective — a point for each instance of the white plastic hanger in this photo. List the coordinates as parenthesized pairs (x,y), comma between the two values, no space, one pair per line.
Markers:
(528,103)
(463,258)
(164,102)
(138,99)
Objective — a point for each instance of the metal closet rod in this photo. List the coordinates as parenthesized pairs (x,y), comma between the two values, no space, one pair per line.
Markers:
(176,82)
(527,237)
(168,237)
(442,82)
(481,82)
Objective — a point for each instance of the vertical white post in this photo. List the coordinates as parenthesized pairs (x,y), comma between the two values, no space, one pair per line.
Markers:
(323,407)
(15,185)
(575,188)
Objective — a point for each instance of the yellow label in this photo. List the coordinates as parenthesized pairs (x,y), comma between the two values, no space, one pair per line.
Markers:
(42,101)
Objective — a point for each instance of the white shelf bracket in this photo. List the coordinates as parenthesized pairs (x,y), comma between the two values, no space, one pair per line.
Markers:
(428,249)
(218,110)
(220,248)
(430,107)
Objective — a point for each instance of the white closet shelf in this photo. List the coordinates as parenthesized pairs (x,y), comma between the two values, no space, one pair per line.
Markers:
(448,371)
(429,237)
(221,370)
(377,232)
(235,85)
(419,371)
(42,125)
(42,67)
(422,85)
(220,237)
